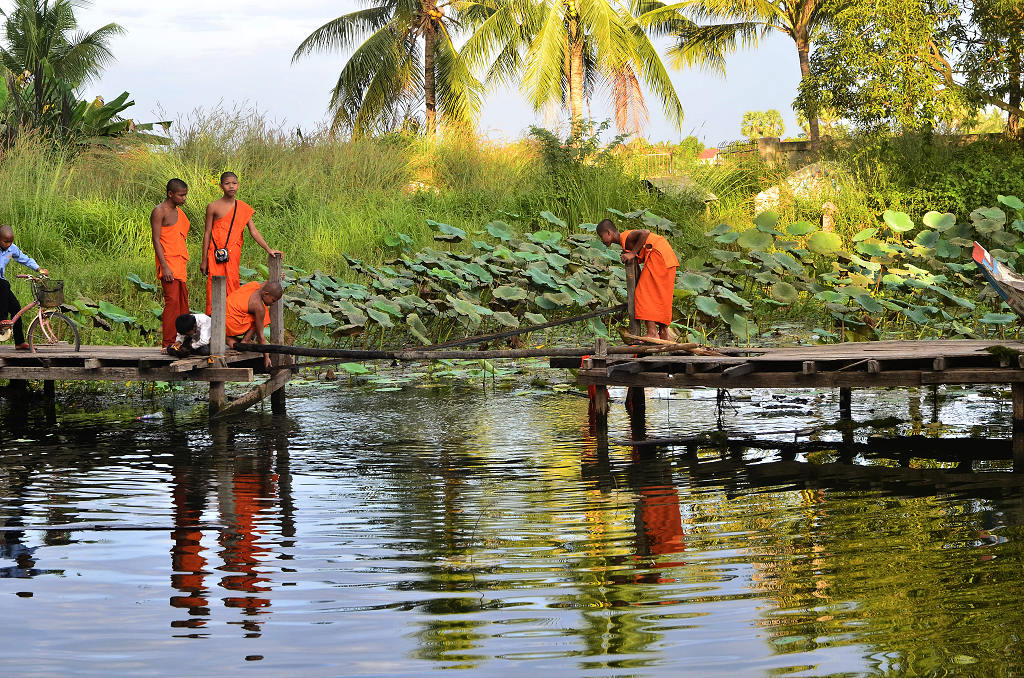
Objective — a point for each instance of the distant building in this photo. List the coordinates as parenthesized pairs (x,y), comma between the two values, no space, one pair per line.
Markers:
(709,156)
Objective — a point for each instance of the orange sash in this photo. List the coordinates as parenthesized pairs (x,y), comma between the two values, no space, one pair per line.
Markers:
(657,281)
(173,240)
(218,239)
(237,319)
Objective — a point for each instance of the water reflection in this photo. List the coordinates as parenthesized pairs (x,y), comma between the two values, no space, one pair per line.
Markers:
(414,531)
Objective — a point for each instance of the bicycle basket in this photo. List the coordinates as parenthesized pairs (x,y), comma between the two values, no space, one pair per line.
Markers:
(49,293)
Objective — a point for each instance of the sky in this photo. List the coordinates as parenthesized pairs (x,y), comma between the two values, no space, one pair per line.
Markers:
(177,57)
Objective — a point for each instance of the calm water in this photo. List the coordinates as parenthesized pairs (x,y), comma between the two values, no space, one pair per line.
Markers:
(403,532)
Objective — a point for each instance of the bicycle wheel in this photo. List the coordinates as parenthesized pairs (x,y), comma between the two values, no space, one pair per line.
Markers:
(53,328)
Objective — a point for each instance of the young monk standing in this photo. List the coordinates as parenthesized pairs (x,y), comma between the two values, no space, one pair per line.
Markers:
(657,281)
(170,230)
(226,221)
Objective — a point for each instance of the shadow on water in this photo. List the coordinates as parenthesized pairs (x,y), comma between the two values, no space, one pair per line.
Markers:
(371,534)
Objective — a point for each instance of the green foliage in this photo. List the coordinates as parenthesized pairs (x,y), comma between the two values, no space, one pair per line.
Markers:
(756,124)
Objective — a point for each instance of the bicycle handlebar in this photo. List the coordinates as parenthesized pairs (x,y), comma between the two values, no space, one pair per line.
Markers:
(31,277)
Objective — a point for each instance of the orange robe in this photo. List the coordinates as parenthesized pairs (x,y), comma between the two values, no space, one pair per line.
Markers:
(172,239)
(237,320)
(657,281)
(219,234)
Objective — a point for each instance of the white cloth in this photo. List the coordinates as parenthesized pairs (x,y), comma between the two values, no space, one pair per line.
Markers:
(203,323)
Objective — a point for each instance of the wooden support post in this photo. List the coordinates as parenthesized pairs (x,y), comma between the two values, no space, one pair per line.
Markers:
(631,276)
(809,367)
(218,344)
(874,367)
(845,403)
(1017,389)
(939,364)
(277,398)
(49,390)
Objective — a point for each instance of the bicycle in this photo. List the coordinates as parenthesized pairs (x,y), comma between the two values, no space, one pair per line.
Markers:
(50,327)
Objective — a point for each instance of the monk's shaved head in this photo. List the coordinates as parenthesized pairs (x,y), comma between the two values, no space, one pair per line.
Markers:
(228,175)
(605,226)
(175,185)
(273,288)
(6,231)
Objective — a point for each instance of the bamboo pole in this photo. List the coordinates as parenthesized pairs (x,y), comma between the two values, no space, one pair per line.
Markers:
(420,354)
(631,276)
(218,330)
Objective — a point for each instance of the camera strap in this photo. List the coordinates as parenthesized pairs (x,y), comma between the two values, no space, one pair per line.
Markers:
(230,228)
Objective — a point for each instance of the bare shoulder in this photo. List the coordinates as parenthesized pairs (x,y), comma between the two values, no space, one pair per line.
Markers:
(166,216)
(217,209)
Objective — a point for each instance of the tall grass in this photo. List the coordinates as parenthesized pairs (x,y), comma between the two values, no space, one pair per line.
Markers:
(85,216)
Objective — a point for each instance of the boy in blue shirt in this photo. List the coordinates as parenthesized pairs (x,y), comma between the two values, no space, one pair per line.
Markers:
(9,304)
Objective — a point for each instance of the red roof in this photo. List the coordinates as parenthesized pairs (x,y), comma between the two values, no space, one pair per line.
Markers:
(707,154)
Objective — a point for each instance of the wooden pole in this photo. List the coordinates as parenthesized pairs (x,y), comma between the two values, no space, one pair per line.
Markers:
(49,390)
(218,344)
(845,403)
(632,273)
(277,398)
(1017,389)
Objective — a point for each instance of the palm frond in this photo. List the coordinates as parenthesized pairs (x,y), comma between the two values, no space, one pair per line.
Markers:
(343,32)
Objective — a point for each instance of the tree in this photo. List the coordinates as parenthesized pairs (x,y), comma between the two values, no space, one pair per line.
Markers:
(873,64)
(47,61)
(726,25)
(404,54)
(988,38)
(757,124)
(559,51)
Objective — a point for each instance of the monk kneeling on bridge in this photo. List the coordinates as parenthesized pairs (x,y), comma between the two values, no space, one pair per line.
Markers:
(657,281)
(248,313)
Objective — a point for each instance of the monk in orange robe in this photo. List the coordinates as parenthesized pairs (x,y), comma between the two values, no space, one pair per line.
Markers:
(657,281)
(170,231)
(248,312)
(226,222)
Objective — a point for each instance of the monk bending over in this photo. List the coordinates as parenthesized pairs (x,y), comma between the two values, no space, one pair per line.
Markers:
(248,313)
(657,280)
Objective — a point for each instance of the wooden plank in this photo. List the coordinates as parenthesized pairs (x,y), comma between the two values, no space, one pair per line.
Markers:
(244,402)
(631,276)
(631,367)
(738,370)
(124,374)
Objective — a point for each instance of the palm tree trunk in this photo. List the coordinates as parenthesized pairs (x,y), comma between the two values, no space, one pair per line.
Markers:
(429,81)
(803,49)
(1013,119)
(575,74)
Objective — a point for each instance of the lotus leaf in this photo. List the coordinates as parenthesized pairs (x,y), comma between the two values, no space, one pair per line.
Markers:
(144,286)
(535,318)
(789,262)
(1003,255)
(557,298)
(388,307)
(245,272)
(800,228)
(784,292)
(728,238)
(557,260)
(318,319)
(509,293)
(581,297)
(822,242)
(1005,239)
(707,305)
(766,219)
(553,220)
(724,255)
(1011,201)
(545,303)
(381,318)
(940,222)
(917,315)
(397,240)
(589,227)
(499,230)
(598,327)
(721,229)
(864,234)
(927,238)
(732,297)
(482,246)
(114,313)
(742,327)
(695,282)
(898,222)
(946,250)
(506,319)
(998,318)
(754,240)
(653,221)
(868,304)
(988,220)
(479,272)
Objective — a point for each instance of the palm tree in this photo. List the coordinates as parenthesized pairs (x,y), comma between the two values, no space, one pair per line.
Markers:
(382,78)
(726,25)
(558,51)
(47,60)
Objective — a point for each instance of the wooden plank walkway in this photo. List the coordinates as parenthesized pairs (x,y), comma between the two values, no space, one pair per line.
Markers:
(122,363)
(850,365)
